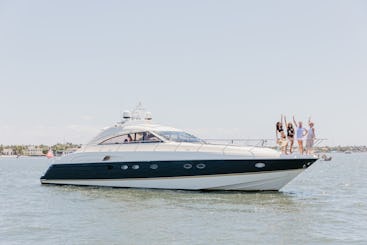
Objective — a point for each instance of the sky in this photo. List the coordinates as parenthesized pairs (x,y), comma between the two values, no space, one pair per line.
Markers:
(218,69)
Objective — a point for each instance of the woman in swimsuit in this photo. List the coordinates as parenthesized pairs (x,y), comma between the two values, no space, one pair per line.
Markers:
(290,134)
(279,128)
(300,133)
(280,136)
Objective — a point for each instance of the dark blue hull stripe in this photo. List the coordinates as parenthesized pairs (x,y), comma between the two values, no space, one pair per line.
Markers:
(156,169)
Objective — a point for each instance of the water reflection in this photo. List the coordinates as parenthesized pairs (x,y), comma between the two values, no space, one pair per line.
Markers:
(210,200)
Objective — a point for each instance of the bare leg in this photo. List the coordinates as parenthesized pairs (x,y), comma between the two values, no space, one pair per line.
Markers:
(309,146)
(291,148)
(291,145)
(300,146)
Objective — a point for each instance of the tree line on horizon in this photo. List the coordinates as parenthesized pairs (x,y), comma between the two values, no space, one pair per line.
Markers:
(20,149)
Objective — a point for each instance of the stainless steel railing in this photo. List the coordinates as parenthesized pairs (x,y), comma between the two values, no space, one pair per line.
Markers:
(270,143)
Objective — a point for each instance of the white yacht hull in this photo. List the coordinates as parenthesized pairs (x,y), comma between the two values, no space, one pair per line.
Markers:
(272,180)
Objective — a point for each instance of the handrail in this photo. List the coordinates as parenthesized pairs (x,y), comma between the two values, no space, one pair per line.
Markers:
(270,143)
(258,142)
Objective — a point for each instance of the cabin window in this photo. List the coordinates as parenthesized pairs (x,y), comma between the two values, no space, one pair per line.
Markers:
(140,137)
(179,136)
(116,140)
(146,137)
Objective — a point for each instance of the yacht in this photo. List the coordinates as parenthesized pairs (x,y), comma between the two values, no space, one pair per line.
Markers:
(137,153)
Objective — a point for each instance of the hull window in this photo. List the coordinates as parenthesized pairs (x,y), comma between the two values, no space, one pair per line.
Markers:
(135,167)
(200,166)
(154,166)
(187,166)
(260,165)
(124,167)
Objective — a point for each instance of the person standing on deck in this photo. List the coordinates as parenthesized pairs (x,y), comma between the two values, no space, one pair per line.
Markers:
(290,134)
(281,139)
(300,133)
(279,129)
(310,137)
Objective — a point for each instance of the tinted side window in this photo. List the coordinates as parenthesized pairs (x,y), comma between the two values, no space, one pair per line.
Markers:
(116,140)
(146,137)
(149,137)
(141,137)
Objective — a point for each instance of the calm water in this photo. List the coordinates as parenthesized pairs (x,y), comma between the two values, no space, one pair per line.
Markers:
(327,204)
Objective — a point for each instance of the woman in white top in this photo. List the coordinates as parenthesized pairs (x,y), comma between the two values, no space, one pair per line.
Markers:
(300,133)
(310,137)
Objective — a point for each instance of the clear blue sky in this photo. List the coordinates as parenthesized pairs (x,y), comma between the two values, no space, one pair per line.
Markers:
(215,68)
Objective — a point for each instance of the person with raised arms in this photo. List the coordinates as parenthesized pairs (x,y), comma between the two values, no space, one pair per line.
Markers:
(290,134)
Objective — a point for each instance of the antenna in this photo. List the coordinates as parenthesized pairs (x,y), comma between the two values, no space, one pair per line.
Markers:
(138,113)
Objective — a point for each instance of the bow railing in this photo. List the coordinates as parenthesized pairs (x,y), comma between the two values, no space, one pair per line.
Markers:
(270,143)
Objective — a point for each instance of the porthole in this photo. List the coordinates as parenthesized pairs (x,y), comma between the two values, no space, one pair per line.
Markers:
(200,166)
(154,166)
(260,165)
(187,166)
(135,167)
(124,167)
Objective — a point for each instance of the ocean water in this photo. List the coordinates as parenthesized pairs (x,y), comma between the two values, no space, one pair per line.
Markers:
(327,204)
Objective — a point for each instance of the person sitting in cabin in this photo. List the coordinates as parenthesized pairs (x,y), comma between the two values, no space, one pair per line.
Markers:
(129,139)
(145,137)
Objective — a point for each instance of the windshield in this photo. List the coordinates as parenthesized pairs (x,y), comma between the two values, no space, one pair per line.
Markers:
(179,136)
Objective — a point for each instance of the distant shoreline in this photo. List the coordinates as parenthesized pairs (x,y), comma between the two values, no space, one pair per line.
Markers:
(328,149)
(38,150)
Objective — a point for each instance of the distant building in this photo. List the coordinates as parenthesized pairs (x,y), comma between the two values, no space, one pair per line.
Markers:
(7,151)
(33,151)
